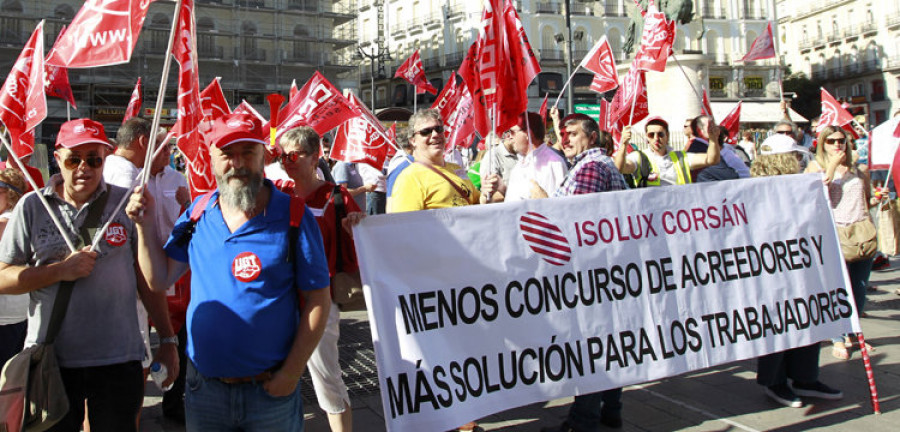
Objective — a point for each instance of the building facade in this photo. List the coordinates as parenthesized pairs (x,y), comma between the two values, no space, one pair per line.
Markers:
(720,33)
(850,47)
(257,47)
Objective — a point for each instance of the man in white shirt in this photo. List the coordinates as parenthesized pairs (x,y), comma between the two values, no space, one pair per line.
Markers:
(538,164)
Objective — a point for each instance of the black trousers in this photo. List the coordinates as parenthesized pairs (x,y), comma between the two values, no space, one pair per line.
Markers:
(114,394)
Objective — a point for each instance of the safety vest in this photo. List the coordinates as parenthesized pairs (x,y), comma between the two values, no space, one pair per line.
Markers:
(681,168)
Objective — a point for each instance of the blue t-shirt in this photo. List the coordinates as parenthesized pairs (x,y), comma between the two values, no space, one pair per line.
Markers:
(243,313)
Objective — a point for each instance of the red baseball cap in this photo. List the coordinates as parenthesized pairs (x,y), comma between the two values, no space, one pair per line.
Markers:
(74,133)
(236,127)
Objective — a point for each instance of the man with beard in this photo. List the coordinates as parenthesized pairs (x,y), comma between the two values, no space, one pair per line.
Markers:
(247,344)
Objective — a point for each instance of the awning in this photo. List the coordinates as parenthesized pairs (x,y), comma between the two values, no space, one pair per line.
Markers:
(755,112)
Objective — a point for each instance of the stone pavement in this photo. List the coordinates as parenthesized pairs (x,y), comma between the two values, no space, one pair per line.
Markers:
(724,398)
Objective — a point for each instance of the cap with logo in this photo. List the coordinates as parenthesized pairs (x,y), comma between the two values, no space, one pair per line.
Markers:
(74,133)
(236,127)
(780,143)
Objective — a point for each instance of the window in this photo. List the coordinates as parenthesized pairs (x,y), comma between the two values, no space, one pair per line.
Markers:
(878,93)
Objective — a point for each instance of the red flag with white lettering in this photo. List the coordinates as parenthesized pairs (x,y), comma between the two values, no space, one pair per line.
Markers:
(392,135)
(57,81)
(414,73)
(319,105)
(732,122)
(600,61)
(134,105)
(832,113)
(190,112)
(763,47)
(525,65)
(103,33)
(361,138)
(23,101)
(656,40)
(245,108)
(469,72)
(213,102)
(633,90)
(455,105)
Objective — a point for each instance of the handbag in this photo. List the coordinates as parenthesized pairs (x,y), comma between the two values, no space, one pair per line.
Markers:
(346,287)
(888,228)
(858,240)
(32,395)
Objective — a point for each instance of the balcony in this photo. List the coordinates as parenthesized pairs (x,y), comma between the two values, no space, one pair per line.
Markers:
(300,56)
(868,27)
(834,37)
(893,19)
(805,44)
(869,66)
(754,93)
(303,5)
(156,41)
(207,52)
(818,75)
(892,63)
(453,60)
(581,8)
(552,55)
(431,63)
(250,54)
(548,8)
(851,31)
(709,10)
(611,9)
(835,73)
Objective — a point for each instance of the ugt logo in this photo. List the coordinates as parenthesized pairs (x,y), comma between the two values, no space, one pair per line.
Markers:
(246,267)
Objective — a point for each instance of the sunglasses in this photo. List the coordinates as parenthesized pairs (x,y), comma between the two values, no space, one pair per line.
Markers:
(834,140)
(785,132)
(72,162)
(428,131)
(291,157)
(656,134)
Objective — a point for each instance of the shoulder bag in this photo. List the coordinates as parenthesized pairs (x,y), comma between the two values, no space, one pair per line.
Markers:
(345,286)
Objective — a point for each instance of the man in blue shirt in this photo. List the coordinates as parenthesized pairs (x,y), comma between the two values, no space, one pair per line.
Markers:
(247,344)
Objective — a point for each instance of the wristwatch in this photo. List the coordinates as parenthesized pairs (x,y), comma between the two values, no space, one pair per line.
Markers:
(169,340)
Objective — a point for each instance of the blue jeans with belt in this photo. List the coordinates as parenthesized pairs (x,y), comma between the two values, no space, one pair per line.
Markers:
(212,405)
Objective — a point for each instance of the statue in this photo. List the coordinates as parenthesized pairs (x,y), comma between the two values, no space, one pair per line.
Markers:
(682,11)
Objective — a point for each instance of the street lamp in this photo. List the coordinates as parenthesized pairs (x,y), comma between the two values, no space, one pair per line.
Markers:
(377,53)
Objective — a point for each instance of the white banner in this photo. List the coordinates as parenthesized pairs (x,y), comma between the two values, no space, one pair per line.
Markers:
(478,309)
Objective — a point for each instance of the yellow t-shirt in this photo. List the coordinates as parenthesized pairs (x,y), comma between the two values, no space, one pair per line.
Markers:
(420,188)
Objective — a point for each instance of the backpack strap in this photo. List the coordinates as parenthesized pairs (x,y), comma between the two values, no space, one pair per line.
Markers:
(198,209)
(297,208)
(338,199)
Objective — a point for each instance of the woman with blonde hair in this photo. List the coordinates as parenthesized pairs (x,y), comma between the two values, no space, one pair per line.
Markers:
(13,308)
(849,191)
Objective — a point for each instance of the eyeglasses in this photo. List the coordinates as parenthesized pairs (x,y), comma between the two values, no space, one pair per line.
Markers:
(834,140)
(72,162)
(291,157)
(428,131)
(656,134)
(785,132)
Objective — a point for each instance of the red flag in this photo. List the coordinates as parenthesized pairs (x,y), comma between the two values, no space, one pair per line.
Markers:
(732,122)
(600,61)
(633,90)
(525,65)
(470,74)
(412,71)
(455,105)
(897,133)
(832,113)
(134,105)
(294,90)
(763,47)
(705,106)
(656,40)
(543,110)
(23,101)
(190,112)
(57,81)
(103,33)
(392,135)
(213,102)
(361,138)
(319,105)
(246,108)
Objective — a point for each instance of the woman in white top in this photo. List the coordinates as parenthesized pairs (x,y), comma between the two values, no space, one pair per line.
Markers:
(13,308)
(849,191)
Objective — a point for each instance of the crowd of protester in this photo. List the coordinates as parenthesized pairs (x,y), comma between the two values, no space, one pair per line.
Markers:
(285,214)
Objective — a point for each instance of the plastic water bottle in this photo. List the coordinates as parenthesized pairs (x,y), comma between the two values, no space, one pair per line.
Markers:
(159,373)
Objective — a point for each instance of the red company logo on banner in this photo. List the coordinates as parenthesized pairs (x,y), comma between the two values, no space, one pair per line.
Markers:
(545,238)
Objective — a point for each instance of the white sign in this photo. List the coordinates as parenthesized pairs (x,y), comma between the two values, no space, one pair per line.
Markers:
(479,309)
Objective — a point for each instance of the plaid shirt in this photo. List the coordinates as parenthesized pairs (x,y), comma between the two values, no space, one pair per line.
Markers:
(593,171)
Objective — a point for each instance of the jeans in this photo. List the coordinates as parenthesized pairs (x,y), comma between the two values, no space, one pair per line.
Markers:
(799,364)
(859,272)
(375,203)
(587,410)
(114,394)
(212,405)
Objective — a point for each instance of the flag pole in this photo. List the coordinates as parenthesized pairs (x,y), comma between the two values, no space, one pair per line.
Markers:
(59,226)
(68,111)
(415,98)
(696,93)
(563,90)
(161,95)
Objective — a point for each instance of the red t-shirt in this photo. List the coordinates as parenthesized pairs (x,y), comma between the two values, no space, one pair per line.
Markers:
(319,202)
(36,174)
